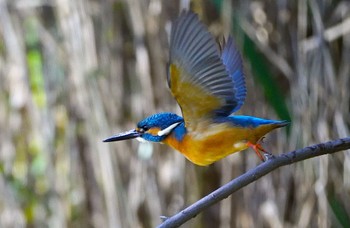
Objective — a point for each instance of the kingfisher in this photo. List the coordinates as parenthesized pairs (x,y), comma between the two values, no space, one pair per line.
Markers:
(207,81)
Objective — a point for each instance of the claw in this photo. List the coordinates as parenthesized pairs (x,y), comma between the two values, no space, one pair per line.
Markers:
(163,218)
(259,150)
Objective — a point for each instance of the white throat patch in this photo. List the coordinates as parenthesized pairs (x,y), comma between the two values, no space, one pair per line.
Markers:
(167,130)
(141,139)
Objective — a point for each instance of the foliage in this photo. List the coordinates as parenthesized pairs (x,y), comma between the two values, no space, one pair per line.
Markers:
(74,72)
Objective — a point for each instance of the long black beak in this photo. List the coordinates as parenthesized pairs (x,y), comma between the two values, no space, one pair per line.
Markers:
(123,136)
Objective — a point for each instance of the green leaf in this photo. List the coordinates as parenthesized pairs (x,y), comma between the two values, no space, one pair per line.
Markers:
(262,74)
(339,211)
(34,62)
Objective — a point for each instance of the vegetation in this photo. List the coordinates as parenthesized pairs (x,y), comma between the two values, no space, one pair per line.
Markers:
(74,72)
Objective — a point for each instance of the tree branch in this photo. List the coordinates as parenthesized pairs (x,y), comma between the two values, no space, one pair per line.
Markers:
(252,175)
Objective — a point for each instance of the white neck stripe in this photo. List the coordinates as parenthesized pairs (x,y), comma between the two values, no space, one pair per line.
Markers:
(167,130)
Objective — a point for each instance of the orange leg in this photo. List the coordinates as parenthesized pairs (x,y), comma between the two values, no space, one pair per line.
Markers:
(258,150)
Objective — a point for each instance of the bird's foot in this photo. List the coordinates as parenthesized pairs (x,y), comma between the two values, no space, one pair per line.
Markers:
(260,151)
(163,218)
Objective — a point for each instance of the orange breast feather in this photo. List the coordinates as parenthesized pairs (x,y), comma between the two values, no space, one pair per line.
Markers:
(217,142)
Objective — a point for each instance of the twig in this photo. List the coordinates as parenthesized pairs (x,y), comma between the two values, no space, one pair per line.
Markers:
(329,34)
(272,163)
(276,59)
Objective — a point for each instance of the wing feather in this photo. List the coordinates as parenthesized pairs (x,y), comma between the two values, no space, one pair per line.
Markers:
(233,62)
(202,79)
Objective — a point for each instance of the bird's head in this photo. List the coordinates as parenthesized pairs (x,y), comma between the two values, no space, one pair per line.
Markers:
(153,128)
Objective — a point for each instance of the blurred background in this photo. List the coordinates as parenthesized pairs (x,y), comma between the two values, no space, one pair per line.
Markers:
(75,72)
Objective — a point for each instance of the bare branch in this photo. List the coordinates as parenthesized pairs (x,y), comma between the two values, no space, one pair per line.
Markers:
(252,175)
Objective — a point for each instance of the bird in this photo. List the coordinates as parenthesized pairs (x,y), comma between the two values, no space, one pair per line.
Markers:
(208,83)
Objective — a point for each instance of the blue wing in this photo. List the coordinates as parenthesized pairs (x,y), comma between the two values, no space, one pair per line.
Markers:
(233,62)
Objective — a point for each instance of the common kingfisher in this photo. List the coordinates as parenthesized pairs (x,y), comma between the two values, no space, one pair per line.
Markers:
(207,81)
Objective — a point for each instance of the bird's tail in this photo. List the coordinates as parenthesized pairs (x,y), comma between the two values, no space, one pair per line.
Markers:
(281,123)
(270,125)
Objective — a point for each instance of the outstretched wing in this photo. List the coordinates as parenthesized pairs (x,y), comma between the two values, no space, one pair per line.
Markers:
(233,62)
(201,80)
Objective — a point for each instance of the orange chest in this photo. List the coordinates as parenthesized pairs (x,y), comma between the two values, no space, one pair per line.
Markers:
(208,147)
(216,142)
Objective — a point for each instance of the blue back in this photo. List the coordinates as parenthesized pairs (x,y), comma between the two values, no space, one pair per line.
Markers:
(247,121)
